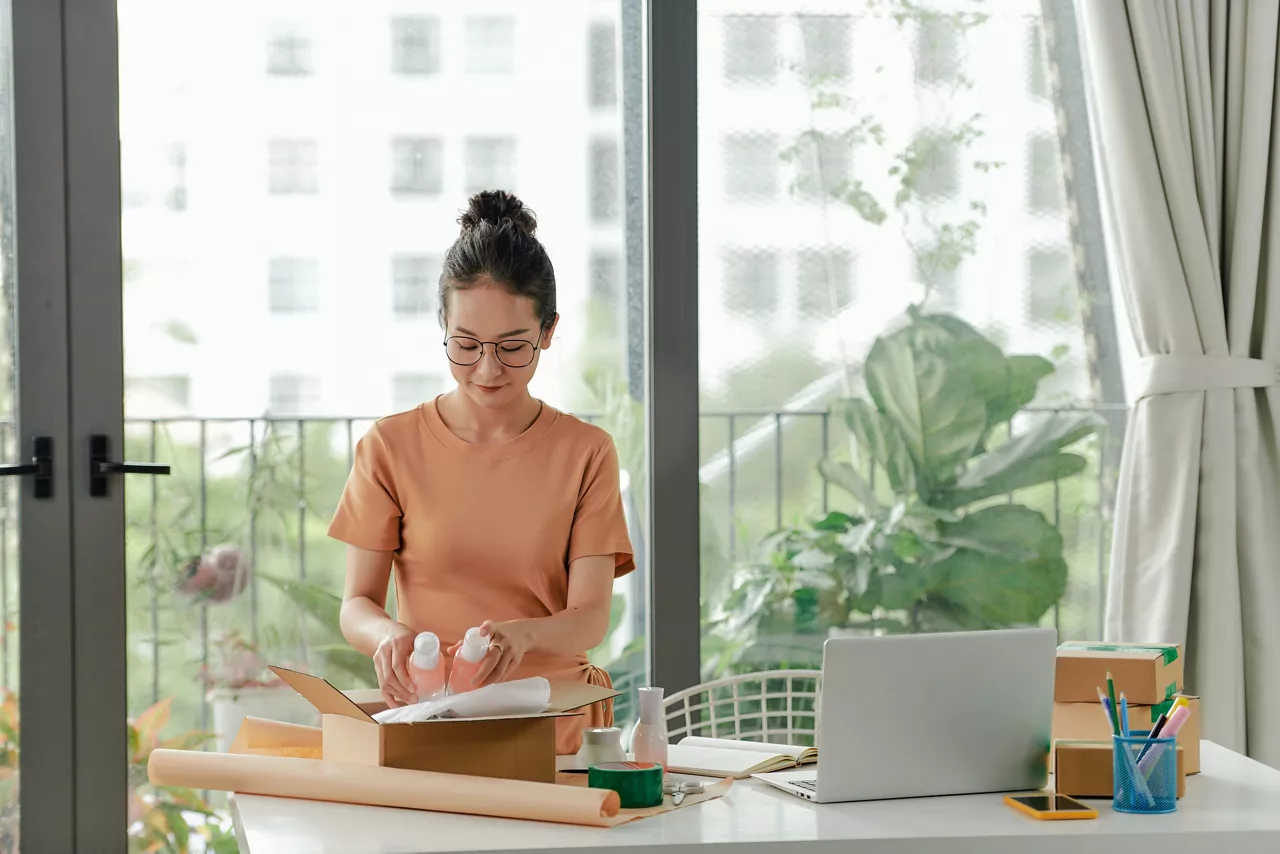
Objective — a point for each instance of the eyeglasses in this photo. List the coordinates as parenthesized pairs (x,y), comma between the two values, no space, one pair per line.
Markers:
(465,351)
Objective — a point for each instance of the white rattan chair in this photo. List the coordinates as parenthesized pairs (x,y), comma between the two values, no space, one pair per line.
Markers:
(779,706)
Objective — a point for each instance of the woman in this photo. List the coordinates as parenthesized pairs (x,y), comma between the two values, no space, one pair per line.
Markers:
(492,508)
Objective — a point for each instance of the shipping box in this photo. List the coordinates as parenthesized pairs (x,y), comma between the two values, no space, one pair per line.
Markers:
(1084,769)
(1147,673)
(514,747)
(1088,722)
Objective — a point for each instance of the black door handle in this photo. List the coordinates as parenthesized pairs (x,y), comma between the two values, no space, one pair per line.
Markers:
(41,466)
(100,466)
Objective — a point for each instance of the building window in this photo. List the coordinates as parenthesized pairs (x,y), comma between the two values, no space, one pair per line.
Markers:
(1044,176)
(416,166)
(1051,288)
(163,393)
(414,282)
(824,282)
(751,166)
(409,390)
(751,282)
(826,46)
(605,188)
(602,65)
(293,167)
(293,394)
(294,285)
(823,164)
(750,48)
(606,276)
(1038,76)
(415,45)
(937,50)
(490,163)
(937,166)
(491,44)
(176,197)
(288,53)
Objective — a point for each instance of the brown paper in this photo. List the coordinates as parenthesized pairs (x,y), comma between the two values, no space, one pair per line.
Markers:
(265,737)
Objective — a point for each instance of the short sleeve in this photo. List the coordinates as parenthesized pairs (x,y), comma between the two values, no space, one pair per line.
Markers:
(599,523)
(368,514)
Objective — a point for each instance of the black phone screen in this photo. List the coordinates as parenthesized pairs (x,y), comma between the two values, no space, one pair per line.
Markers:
(1051,803)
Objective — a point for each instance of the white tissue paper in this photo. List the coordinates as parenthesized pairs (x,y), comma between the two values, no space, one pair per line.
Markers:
(522,697)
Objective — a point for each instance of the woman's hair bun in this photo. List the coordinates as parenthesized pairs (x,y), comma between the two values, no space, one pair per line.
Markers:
(494,206)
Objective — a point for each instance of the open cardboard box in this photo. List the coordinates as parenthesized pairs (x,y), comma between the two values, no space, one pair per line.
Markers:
(516,747)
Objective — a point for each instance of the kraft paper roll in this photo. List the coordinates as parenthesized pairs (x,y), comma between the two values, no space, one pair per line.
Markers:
(387,787)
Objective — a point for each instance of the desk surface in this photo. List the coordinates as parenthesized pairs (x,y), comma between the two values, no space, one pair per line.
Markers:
(1235,801)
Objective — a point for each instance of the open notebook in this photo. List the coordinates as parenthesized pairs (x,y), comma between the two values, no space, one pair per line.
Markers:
(724,757)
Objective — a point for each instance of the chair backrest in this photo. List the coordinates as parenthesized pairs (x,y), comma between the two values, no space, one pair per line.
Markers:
(779,706)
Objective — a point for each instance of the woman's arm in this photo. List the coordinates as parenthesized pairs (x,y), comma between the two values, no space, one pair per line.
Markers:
(367,627)
(582,625)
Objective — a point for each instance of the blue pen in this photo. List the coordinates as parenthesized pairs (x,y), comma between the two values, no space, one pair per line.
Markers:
(1124,715)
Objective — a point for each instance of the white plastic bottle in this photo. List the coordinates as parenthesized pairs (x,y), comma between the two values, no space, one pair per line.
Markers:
(466,663)
(649,744)
(426,667)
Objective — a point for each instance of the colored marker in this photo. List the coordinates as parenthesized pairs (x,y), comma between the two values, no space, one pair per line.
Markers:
(1124,715)
(1176,720)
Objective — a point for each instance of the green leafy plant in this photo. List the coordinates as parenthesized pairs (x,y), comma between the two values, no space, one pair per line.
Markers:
(323,606)
(934,544)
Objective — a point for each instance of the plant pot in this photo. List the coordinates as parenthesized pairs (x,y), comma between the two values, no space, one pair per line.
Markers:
(275,702)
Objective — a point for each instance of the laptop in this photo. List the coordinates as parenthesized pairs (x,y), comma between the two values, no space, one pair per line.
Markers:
(908,716)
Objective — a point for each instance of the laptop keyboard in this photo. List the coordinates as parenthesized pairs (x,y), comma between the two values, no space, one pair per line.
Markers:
(811,785)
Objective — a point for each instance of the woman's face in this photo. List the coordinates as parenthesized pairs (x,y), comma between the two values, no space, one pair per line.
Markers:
(499,330)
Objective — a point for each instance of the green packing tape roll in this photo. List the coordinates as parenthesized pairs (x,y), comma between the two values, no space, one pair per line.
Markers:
(638,784)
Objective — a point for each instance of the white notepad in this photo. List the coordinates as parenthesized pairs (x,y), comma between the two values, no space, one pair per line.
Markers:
(725,757)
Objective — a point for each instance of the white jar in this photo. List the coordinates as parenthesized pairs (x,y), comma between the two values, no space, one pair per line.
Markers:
(602,744)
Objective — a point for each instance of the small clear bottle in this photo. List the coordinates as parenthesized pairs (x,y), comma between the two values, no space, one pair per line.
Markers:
(426,667)
(466,663)
(649,744)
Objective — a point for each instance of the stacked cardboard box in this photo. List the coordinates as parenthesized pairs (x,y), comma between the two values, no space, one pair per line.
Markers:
(1149,675)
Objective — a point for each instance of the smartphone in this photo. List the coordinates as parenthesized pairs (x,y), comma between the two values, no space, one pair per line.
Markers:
(1049,807)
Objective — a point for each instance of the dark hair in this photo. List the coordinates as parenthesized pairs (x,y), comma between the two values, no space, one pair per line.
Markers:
(497,242)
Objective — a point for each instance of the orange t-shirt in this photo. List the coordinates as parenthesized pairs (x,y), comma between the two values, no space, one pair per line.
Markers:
(487,531)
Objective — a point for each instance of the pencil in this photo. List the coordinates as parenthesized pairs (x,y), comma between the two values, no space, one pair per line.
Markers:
(1115,710)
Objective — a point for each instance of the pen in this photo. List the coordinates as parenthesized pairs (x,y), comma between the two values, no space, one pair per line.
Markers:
(1160,724)
(1111,693)
(1124,715)
(1179,717)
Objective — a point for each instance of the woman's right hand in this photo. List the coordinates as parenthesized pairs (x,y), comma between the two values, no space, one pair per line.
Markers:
(391,663)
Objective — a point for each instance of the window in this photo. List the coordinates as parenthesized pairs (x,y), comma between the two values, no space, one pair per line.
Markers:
(409,390)
(415,45)
(823,165)
(414,284)
(292,167)
(750,48)
(751,166)
(491,45)
(751,283)
(294,285)
(1038,74)
(937,49)
(937,166)
(605,189)
(1044,175)
(1051,291)
(605,276)
(293,394)
(416,165)
(824,282)
(160,393)
(826,46)
(490,164)
(602,65)
(176,198)
(288,52)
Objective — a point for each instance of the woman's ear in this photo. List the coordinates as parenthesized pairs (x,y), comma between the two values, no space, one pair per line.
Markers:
(547,333)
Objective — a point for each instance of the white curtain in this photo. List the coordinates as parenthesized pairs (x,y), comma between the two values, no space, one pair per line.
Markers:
(1185,114)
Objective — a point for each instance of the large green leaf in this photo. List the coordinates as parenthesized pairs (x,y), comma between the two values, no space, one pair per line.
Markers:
(884,443)
(341,660)
(1025,373)
(1047,436)
(1010,570)
(1029,472)
(323,605)
(936,410)
(847,478)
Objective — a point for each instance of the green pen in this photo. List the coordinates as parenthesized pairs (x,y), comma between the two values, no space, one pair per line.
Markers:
(1115,710)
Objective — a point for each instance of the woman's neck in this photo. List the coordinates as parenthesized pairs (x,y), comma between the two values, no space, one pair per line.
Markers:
(479,425)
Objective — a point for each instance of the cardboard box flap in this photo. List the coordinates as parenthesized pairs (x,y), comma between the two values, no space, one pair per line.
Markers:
(1168,653)
(327,699)
(567,696)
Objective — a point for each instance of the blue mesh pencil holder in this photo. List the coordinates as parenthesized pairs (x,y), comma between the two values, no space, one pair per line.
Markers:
(1145,774)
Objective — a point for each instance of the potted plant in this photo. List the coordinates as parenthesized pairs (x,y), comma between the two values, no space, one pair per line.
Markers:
(239,685)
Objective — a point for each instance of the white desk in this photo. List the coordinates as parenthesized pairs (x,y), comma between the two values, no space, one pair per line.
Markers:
(1233,806)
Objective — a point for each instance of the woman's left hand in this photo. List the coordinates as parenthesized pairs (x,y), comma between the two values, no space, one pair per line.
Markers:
(509,642)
